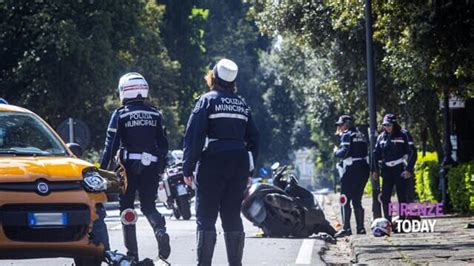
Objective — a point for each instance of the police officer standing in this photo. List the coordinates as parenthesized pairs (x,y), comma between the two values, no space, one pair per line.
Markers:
(395,155)
(354,173)
(221,140)
(136,128)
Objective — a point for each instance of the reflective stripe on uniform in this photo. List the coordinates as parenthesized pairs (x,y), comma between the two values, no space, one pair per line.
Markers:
(394,141)
(139,112)
(345,143)
(228,115)
(112,129)
(395,162)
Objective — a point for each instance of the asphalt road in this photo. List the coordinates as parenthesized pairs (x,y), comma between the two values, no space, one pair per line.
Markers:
(258,251)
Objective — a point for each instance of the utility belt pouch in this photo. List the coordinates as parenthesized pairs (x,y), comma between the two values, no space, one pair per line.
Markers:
(347,162)
(341,169)
(146,159)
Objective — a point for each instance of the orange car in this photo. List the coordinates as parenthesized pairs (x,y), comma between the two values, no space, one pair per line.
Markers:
(51,203)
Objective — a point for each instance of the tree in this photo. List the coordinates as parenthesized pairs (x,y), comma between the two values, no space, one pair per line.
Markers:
(63,59)
(419,48)
(183,33)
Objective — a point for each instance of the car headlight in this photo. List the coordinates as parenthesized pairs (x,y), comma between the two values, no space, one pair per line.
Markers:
(93,182)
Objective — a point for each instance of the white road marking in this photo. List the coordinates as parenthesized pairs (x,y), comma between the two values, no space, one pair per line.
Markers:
(306,249)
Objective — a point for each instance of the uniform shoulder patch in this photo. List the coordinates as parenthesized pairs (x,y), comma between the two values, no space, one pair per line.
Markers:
(197,98)
(199,104)
(381,136)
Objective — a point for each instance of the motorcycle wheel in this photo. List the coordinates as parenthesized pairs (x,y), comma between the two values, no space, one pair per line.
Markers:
(184,207)
(176,212)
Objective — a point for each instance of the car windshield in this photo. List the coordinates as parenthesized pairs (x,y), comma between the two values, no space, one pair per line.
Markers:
(24,134)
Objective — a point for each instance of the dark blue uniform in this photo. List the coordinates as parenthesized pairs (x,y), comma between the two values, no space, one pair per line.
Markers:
(137,127)
(353,152)
(219,135)
(394,153)
(224,121)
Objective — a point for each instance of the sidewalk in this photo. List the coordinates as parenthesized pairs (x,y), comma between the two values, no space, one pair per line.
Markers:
(450,244)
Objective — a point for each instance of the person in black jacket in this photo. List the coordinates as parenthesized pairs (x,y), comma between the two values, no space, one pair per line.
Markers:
(395,156)
(136,128)
(354,173)
(221,143)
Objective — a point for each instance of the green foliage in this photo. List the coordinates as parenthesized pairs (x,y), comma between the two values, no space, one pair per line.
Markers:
(461,187)
(368,186)
(64,58)
(183,31)
(420,48)
(427,178)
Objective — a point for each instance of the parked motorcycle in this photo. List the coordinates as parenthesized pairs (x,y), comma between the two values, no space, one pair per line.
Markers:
(173,191)
(284,208)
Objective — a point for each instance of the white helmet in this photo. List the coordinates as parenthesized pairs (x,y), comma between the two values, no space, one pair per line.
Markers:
(131,86)
(381,227)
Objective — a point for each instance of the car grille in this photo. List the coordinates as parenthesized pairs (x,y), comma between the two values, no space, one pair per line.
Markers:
(33,186)
(15,222)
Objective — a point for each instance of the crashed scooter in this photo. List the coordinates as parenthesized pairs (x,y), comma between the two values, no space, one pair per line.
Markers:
(285,209)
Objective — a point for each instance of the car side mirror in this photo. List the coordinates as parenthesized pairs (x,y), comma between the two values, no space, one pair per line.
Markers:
(75,148)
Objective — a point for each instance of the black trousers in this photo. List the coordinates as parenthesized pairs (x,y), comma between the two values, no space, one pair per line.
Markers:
(392,176)
(143,179)
(221,180)
(352,186)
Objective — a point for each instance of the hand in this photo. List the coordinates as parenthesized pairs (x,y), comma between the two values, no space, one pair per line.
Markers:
(189,180)
(335,149)
(375,176)
(406,174)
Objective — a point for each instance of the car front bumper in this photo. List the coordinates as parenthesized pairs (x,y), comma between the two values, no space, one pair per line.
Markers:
(18,240)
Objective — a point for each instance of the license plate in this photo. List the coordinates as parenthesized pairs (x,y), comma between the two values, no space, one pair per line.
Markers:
(182,190)
(47,218)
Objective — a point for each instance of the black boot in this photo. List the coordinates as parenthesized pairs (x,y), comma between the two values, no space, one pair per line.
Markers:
(359,217)
(157,222)
(343,233)
(206,240)
(346,218)
(130,240)
(234,243)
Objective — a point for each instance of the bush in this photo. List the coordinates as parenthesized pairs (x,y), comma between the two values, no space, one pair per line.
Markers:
(427,178)
(461,188)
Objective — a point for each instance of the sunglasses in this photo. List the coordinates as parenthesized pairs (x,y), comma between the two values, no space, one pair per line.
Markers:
(387,125)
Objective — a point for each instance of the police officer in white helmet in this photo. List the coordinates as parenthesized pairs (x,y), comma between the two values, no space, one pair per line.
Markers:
(136,128)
